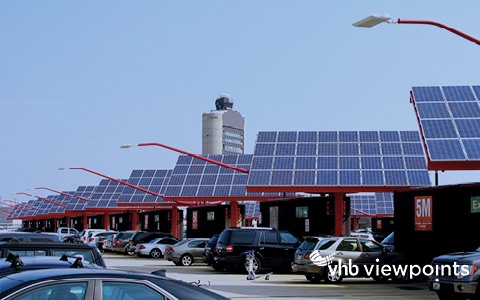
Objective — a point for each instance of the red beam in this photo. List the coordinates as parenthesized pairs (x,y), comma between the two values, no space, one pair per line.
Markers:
(62,193)
(43,199)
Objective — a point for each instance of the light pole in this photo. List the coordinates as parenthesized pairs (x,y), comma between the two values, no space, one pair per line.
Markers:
(14,206)
(42,199)
(189,154)
(376,19)
(22,204)
(79,197)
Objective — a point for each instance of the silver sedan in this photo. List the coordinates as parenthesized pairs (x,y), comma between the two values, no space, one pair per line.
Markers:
(187,251)
(155,248)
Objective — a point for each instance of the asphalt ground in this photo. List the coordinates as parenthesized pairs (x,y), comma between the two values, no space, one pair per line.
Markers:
(283,285)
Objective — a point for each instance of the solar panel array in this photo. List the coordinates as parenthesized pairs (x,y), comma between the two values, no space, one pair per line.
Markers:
(378,203)
(343,158)
(193,177)
(151,180)
(252,209)
(450,121)
(105,194)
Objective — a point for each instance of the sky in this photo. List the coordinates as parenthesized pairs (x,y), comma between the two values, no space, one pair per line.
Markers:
(80,78)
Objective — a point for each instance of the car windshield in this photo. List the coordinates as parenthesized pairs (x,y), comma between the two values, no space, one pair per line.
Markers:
(389,239)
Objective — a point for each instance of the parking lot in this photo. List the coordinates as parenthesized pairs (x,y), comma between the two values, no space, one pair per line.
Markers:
(279,286)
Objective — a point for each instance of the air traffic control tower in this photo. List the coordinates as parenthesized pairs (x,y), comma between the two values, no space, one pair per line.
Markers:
(223,129)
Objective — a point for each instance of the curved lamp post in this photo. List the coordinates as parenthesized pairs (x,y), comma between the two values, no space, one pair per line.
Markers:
(14,206)
(376,19)
(22,204)
(130,185)
(79,197)
(42,199)
(189,154)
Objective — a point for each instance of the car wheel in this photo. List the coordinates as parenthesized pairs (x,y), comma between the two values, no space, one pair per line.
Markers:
(129,251)
(257,265)
(186,260)
(332,275)
(313,278)
(155,253)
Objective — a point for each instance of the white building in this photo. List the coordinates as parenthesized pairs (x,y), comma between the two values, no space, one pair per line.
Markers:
(223,129)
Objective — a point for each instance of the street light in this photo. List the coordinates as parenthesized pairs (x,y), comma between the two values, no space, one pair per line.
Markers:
(79,197)
(189,154)
(130,185)
(42,199)
(22,204)
(376,19)
(13,206)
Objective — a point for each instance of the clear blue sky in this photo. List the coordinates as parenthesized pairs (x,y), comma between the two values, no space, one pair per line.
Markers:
(80,78)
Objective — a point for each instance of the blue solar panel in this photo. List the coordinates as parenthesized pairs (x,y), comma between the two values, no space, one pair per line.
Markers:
(307,137)
(350,158)
(267,137)
(448,121)
(472,148)
(427,93)
(458,93)
(287,136)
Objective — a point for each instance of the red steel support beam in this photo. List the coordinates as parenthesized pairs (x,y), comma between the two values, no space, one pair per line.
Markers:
(338,214)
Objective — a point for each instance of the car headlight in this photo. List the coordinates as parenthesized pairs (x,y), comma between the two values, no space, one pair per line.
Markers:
(466,270)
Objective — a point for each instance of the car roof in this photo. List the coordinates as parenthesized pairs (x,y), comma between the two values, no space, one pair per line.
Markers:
(177,288)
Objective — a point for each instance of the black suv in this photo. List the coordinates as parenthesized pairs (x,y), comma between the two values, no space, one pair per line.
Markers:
(273,248)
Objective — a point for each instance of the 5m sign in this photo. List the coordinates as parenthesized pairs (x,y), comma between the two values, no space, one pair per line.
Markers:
(423,213)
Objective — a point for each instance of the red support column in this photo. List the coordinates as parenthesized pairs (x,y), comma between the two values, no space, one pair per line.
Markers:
(338,214)
(134,220)
(355,222)
(106,221)
(174,220)
(233,213)
(85,221)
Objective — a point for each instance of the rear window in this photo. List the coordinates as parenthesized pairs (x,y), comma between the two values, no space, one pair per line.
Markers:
(308,244)
(242,237)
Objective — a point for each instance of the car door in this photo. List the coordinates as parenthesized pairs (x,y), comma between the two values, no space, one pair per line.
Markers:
(270,248)
(289,244)
(348,250)
(371,251)
(196,248)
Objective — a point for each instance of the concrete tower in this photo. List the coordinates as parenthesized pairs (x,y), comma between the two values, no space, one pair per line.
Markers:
(223,129)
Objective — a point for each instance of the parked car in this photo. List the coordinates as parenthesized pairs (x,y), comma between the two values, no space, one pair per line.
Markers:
(76,238)
(98,284)
(361,255)
(186,252)
(121,242)
(29,236)
(210,251)
(14,264)
(107,243)
(155,248)
(66,231)
(87,252)
(94,236)
(29,229)
(141,237)
(464,282)
(83,235)
(273,248)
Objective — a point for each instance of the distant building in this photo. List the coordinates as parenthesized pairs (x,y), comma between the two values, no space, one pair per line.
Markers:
(223,129)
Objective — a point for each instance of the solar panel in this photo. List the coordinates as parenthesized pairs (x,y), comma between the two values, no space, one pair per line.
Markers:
(252,209)
(449,118)
(372,204)
(156,181)
(344,158)
(214,181)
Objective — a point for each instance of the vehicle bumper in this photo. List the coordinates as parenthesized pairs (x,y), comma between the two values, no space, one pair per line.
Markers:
(228,261)
(169,257)
(452,287)
(142,252)
(307,269)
